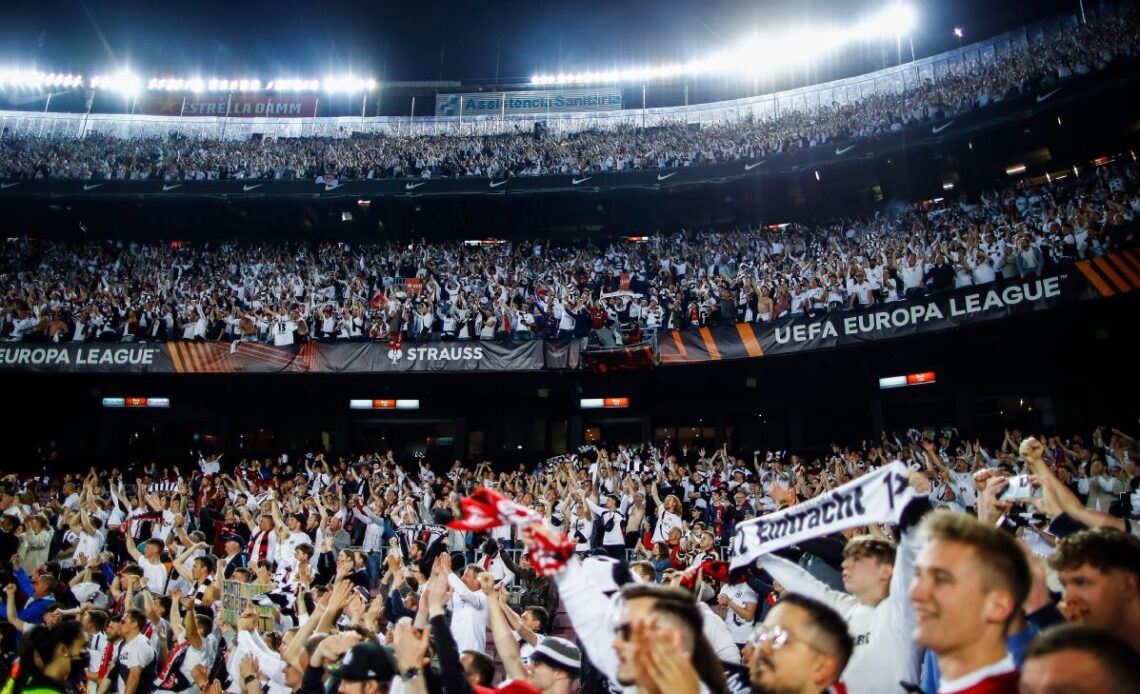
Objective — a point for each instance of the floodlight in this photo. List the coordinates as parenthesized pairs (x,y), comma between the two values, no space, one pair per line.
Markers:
(293,85)
(124,82)
(895,21)
(348,85)
(33,79)
(958,32)
(755,56)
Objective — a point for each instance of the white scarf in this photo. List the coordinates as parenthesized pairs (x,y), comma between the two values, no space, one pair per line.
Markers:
(877,497)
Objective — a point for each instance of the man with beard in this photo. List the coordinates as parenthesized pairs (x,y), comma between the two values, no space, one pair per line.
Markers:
(801,648)
(673,616)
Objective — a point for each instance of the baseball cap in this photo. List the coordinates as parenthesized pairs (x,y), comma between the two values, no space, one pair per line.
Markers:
(558,653)
(366,661)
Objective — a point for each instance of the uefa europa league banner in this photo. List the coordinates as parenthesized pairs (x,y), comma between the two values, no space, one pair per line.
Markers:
(249,357)
(1117,273)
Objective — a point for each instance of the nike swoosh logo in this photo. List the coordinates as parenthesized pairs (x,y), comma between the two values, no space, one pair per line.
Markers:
(749,167)
(496,184)
(1046,95)
(939,128)
(840,151)
(333,186)
(576,181)
(166,188)
(413,186)
(91,186)
(249,188)
(662,177)
(6,186)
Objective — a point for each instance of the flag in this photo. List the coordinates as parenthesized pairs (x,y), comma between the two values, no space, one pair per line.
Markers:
(486,509)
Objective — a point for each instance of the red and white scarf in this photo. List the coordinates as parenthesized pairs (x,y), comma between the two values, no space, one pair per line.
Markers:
(486,509)
(166,679)
(259,545)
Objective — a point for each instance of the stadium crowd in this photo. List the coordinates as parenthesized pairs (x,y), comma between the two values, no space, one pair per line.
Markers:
(622,292)
(1042,65)
(1012,567)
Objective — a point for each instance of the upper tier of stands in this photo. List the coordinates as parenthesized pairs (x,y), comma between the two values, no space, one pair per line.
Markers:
(108,146)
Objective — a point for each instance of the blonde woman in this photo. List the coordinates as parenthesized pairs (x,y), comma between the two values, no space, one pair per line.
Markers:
(668,514)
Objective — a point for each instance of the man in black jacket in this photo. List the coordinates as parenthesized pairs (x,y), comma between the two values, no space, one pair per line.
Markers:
(537,591)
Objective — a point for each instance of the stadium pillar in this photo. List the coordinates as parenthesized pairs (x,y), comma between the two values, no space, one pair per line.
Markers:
(43,121)
(643,105)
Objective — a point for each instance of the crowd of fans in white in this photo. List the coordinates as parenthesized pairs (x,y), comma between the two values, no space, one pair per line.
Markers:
(1043,65)
(117,575)
(281,293)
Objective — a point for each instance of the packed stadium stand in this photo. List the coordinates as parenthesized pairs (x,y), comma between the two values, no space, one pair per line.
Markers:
(815,391)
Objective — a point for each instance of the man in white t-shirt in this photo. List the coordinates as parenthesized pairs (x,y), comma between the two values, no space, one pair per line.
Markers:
(739,602)
(70,498)
(91,536)
(150,561)
(136,655)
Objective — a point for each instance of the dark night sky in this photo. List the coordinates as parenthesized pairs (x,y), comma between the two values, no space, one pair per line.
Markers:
(403,40)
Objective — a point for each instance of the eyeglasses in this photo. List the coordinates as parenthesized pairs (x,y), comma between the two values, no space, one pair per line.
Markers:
(777,637)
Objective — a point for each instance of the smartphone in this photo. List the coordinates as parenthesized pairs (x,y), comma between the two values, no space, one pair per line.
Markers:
(1020,488)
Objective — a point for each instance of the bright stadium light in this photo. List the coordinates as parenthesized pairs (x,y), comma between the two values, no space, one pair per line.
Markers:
(896,20)
(755,56)
(348,85)
(124,82)
(293,85)
(197,84)
(34,79)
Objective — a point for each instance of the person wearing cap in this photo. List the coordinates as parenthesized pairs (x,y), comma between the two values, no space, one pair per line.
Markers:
(554,663)
(369,668)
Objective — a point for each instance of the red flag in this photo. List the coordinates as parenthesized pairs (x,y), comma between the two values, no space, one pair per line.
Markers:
(486,509)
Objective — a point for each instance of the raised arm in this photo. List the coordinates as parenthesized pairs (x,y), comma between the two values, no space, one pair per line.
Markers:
(13,611)
(1061,498)
(505,645)
(797,580)
(292,654)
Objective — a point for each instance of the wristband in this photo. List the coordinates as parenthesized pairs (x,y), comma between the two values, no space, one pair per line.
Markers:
(410,674)
(249,678)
